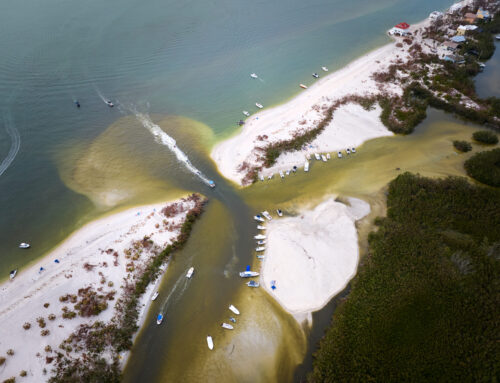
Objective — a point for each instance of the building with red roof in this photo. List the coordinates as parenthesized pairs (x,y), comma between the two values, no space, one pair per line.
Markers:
(402,26)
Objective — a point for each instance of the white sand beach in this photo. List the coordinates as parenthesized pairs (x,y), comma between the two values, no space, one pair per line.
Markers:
(312,256)
(102,246)
(351,125)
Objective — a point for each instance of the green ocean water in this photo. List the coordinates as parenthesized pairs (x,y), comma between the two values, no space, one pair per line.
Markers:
(184,67)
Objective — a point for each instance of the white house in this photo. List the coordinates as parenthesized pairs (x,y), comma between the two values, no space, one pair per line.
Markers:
(398,32)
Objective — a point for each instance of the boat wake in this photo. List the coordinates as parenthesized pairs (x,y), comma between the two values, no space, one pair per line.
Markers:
(164,139)
(181,284)
(14,148)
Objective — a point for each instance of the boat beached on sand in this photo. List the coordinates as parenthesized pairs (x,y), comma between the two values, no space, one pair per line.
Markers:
(261,242)
(155,295)
(260,236)
(325,69)
(246,113)
(266,214)
(248,273)
(260,248)
(303,86)
(339,154)
(258,218)
(227,326)
(260,106)
(234,310)
(315,75)
(306,166)
(317,156)
(253,284)
(12,274)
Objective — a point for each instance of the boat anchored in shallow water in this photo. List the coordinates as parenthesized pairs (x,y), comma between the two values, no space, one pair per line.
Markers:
(246,113)
(325,69)
(159,319)
(280,213)
(261,242)
(323,157)
(155,295)
(190,273)
(353,150)
(24,245)
(248,273)
(339,154)
(12,274)
(253,75)
(258,218)
(260,106)
(306,166)
(317,156)
(266,214)
(281,174)
(315,75)
(253,284)
(260,248)
(303,86)
(109,103)
(260,227)
(210,342)
(227,326)
(234,309)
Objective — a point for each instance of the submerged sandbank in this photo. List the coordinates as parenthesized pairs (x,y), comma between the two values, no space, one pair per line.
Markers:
(312,256)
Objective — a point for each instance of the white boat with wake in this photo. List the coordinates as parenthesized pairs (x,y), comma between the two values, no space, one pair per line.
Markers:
(109,103)
(234,310)
(159,319)
(227,326)
(155,295)
(210,342)
(260,106)
(190,273)
(24,245)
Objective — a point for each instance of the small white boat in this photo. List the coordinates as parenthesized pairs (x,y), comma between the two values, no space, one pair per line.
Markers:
(353,150)
(253,284)
(266,214)
(269,176)
(315,75)
(261,177)
(190,273)
(260,248)
(211,184)
(316,155)
(339,154)
(260,106)
(497,37)
(249,274)
(253,75)
(308,156)
(155,295)
(306,166)
(260,256)
(281,174)
(348,151)
(12,274)
(109,103)
(280,213)
(246,113)
(24,245)
(227,326)
(234,310)
(324,68)
(159,318)
(260,236)
(323,157)
(261,242)
(259,218)
(260,227)
(210,342)
(303,86)
(287,172)
(328,156)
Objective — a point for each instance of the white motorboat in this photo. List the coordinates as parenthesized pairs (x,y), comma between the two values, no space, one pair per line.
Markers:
(246,113)
(497,37)
(317,156)
(211,184)
(269,176)
(306,166)
(248,274)
(260,227)
(287,172)
(303,86)
(259,218)
(261,242)
(315,75)
(24,245)
(260,257)
(260,248)
(261,177)
(281,174)
(280,213)
(266,214)
(260,236)
(353,150)
(323,157)
(190,273)
(155,295)
(260,106)
(324,68)
(227,326)
(328,156)
(210,342)
(253,284)
(348,151)
(109,103)
(159,318)
(253,75)
(234,310)
(339,154)
(12,274)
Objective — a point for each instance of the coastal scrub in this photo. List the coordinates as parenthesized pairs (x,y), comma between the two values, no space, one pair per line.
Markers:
(485,167)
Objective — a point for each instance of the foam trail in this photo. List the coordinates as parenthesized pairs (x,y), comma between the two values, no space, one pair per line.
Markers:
(182,281)
(164,139)
(14,148)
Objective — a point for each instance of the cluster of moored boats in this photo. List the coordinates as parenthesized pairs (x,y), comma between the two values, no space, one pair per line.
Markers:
(318,156)
(260,106)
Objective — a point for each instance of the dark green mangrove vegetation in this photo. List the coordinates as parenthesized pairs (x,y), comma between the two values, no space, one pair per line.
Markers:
(485,137)
(485,167)
(424,305)
(462,146)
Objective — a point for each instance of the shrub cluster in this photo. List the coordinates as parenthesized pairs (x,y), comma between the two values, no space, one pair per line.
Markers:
(485,137)
(462,146)
(485,167)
